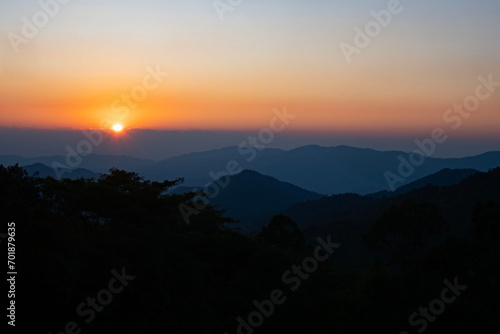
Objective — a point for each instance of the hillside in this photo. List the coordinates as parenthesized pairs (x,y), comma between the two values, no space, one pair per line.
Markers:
(45,171)
(445,177)
(325,170)
(349,217)
(254,198)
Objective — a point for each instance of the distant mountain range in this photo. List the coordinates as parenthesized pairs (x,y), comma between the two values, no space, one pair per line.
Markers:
(44,171)
(93,162)
(445,177)
(324,170)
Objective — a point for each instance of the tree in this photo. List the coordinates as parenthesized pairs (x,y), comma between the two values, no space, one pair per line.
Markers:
(404,230)
(283,232)
(486,220)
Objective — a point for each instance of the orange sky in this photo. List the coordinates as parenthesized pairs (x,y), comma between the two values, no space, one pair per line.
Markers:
(231,74)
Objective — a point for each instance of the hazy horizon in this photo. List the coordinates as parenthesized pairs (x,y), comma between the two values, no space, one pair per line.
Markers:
(212,74)
(159,145)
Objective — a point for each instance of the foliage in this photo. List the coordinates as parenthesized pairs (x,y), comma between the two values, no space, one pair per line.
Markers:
(199,278)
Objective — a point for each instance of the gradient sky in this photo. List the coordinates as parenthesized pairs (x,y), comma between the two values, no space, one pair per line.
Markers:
(229,75)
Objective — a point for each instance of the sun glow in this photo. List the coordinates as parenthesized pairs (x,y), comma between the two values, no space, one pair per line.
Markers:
(117,128)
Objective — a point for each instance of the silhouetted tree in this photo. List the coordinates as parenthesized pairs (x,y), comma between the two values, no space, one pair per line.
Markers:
(404,230)
(283,232)
(486,220)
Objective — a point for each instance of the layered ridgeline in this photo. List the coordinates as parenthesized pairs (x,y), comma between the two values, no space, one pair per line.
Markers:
(76,236)
(350,217)
(253,198)
(325,170)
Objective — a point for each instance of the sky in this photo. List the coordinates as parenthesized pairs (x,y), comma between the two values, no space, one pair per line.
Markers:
(82,66)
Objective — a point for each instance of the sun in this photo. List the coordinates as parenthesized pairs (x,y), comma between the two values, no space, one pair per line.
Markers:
(117,128)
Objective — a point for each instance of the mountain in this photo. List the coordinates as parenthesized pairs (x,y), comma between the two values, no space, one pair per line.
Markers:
(327,170)
(10,160)
(254,198)
(93,162)
(445,177)
(345,169)
(45,171)
(347,218)
(197,168)
(79,230)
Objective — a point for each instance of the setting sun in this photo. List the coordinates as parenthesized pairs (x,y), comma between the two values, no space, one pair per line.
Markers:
(117,128)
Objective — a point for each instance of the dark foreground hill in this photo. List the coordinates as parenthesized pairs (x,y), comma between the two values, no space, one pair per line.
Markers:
(253,198)
(350,217)
(114,255)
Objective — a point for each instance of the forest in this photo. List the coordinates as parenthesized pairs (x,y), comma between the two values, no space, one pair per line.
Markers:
(114,255)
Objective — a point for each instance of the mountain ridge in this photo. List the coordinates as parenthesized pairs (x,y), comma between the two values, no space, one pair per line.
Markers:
(322,169)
